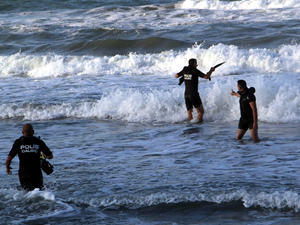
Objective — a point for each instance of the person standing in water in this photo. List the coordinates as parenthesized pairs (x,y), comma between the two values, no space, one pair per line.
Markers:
(248,110)
(29,149)
(192,98)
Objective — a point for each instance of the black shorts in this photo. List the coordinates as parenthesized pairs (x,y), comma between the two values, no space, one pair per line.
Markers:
(192,100)
(246,124)
(30,182)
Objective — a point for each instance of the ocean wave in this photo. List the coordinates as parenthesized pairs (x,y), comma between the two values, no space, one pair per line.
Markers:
(238,5)
(273,200)
(120,46)
(48,26)
(239,61)
(167,105)
(121,104)
(108,30)
(28,205)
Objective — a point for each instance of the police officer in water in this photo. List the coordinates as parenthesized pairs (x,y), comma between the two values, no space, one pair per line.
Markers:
(192,98)
(29,149)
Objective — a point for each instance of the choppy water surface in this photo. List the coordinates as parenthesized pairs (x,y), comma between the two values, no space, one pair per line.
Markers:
(96,80)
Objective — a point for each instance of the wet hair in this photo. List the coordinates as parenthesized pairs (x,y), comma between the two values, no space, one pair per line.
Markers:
(192,62)
(242,84)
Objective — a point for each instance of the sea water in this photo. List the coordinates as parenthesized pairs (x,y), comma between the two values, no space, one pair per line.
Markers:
(96,80)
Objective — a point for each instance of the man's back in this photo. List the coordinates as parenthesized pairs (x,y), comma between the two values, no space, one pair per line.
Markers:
(29,149)
(191,75)
(247,96)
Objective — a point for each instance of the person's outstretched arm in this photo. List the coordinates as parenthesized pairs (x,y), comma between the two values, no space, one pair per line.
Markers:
(207,76)
(234,93)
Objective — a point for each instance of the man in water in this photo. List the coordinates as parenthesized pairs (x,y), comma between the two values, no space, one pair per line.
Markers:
(190,75)
(29,149)
(248,110)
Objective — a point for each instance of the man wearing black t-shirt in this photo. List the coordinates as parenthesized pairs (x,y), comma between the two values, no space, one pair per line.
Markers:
(192,98)
(29,149)
(248,110)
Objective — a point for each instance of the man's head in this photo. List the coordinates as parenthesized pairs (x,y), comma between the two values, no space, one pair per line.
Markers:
(193,63)
(242,85)
(27,130)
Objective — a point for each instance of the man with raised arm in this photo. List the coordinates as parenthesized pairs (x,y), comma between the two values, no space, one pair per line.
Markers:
(192,98)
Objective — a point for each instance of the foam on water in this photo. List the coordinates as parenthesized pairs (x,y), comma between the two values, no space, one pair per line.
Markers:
(168,105)
(274,200)
(44,194)
(273,72)
(115,117)
(284,59)
(29,205)
(238,5)
(273,93)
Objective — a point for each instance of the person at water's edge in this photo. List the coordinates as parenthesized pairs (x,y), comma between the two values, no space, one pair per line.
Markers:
(29,149)
(248,110)
(190,74)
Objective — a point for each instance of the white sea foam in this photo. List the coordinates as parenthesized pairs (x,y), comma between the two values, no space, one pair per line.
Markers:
(288,199)
(35,200)
(238,5)
(276,200)
(44,194)
(242,11)
(284,59)
(273,72)
(278,101)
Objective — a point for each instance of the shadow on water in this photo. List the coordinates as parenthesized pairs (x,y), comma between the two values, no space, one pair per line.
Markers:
(192,130)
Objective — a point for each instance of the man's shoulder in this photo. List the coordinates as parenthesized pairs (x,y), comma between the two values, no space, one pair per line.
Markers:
(30,139)
(251,97)
(185,69)
(18,141)
(198,72)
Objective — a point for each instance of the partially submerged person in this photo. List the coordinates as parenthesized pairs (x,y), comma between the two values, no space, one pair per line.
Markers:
(190,75)
(29,149)
(248,110)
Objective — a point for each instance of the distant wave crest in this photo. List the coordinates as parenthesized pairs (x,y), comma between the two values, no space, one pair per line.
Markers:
(284,59)
(238,5)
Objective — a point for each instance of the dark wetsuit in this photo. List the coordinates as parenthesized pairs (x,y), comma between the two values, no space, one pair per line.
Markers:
(191,95)
(246,120)
(29,149)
